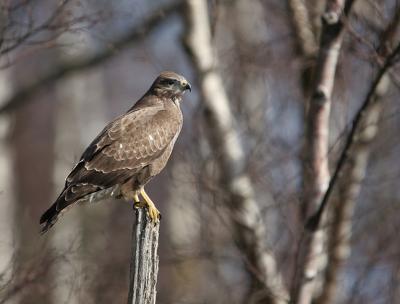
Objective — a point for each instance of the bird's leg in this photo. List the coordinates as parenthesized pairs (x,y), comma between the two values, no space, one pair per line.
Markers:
(136,201)
(129,194)
(153,211)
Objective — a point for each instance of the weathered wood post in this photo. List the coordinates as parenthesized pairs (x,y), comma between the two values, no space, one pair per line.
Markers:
(144,259)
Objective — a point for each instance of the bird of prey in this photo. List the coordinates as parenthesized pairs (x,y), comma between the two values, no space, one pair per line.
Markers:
(129,151)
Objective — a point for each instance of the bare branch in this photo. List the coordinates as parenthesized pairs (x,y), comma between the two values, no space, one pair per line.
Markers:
(31,273)
(34,30)
(144,260)
(28,31)
(139,32)
(249,226)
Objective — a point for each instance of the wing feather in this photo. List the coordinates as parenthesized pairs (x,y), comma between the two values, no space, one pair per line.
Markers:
(124,147)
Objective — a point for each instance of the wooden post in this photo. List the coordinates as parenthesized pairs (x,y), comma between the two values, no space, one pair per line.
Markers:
(144,260)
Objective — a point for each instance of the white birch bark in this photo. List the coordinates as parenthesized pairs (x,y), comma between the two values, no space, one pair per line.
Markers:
(354,170)
(245,213)
(303,28)
(316,8)
(349,188)
(7,206)
(6,191)
(312,253)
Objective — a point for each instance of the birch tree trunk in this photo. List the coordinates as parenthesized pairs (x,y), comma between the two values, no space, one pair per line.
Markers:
(348,191)
(303,28)
(249,228)
(6,173)
(353,175)
(7,184)
(316,175)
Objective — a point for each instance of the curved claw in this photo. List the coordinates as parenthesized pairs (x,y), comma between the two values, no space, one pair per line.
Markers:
(154,214)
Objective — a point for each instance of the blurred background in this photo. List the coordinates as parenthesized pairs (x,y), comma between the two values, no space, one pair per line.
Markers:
(245,173)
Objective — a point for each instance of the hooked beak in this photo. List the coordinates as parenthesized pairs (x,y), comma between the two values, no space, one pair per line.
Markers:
(186,86)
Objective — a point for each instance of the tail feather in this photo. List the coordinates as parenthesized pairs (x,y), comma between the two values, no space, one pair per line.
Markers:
(68,196)
(49,218)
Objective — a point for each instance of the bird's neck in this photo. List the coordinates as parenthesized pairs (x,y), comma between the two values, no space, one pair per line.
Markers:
(177,101)
(168,96)
(160,100)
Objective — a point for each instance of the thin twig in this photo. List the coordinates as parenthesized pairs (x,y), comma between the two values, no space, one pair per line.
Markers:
(139,32)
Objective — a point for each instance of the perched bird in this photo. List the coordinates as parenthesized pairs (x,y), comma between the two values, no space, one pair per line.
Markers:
(131,149)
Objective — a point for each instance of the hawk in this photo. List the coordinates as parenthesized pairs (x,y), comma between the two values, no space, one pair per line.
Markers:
(128,153)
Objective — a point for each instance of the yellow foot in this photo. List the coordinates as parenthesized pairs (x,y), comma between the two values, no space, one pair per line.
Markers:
(154,214)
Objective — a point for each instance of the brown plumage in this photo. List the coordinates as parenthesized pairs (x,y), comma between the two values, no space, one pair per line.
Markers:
(129,151)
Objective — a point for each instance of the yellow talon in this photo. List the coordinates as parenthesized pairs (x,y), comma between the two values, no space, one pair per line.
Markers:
(154,214)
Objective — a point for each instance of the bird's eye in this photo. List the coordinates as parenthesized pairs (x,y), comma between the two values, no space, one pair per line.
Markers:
(171,82)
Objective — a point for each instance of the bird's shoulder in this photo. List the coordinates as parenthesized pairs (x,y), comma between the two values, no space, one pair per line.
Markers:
(122,125)
(149,116)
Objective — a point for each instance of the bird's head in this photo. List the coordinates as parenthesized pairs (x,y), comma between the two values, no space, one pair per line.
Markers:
(170,84)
